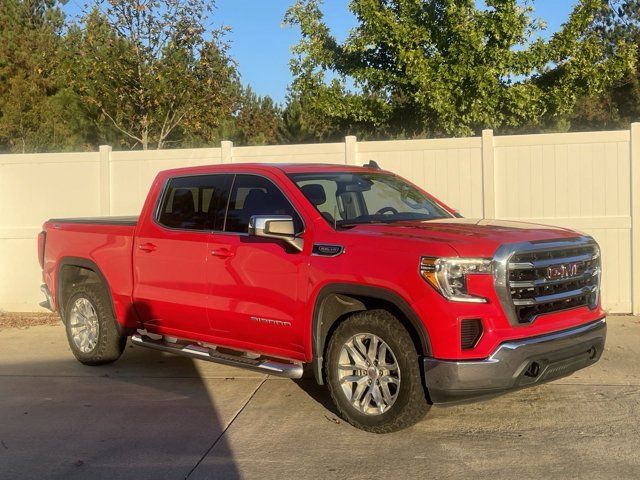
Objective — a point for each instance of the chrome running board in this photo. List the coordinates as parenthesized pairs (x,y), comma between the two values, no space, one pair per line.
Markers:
(242,359)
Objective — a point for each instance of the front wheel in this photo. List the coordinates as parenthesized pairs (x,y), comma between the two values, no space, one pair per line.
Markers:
(92,332)
(373,373)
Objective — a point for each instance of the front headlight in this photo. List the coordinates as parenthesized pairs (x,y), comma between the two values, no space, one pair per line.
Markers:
(449,276)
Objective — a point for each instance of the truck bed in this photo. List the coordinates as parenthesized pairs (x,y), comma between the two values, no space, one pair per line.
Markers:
(101,244)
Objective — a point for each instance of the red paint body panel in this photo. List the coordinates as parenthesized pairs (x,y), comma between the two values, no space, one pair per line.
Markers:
(107,246)
(175,286)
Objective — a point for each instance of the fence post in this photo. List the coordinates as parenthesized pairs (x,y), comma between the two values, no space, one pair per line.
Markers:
(635,217)
(105,179)
(488,179)
(350,150)
(226,151)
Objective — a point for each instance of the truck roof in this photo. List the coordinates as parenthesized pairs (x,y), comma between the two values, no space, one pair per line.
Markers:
(283,167)
(320,167)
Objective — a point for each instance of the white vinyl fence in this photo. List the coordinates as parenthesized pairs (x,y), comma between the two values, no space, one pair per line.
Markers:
(586,181)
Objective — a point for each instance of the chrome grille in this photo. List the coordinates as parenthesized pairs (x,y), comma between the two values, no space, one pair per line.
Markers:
(534,279)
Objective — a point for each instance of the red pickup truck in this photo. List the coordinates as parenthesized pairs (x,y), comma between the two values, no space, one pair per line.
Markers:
(389,296)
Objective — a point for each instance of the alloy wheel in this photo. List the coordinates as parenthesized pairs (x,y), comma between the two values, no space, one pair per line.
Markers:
(84,325)
(369,374)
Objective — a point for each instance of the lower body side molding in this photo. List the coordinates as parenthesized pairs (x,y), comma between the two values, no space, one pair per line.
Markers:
(260,364)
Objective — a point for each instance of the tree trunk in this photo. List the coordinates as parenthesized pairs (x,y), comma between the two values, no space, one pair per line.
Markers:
(145,133)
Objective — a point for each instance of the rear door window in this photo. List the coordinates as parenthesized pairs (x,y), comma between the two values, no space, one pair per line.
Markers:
(196,202)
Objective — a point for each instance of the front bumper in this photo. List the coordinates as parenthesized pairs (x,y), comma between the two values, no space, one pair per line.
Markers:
(515,364)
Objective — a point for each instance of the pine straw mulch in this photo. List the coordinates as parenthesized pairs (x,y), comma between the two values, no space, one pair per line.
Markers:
(27,319)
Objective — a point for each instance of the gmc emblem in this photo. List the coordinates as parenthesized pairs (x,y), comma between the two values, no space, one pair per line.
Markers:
(564,270)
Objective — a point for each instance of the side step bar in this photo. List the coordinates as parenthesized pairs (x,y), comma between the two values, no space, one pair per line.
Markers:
(259,364)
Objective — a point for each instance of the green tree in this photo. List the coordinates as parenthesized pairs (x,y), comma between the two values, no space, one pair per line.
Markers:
(301,125)
(618,105)
(448,67)
(258,120)
(151,70)
(37,113)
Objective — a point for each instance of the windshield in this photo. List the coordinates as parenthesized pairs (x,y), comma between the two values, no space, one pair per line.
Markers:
(347,198)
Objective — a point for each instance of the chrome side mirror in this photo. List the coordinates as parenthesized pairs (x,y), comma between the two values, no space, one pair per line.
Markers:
(279,227)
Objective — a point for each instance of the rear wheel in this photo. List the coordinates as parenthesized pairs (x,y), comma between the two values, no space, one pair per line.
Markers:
(92,332)
(373,373)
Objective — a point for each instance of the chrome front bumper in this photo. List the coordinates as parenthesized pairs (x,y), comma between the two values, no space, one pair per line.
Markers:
(515,364)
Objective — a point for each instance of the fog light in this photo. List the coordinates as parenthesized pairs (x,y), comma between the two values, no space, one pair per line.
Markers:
(470,333)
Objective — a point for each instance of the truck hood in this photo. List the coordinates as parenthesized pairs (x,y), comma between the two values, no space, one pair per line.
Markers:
(468,237)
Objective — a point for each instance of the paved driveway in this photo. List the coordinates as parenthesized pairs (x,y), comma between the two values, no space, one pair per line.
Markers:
(155,416)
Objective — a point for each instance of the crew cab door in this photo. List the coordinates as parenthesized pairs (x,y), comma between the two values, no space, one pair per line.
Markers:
(257,286)
(171,254)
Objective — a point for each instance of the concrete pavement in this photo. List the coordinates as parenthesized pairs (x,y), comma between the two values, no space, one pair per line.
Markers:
(156,416)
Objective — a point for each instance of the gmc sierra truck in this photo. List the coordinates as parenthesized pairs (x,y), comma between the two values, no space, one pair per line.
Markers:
(387,295)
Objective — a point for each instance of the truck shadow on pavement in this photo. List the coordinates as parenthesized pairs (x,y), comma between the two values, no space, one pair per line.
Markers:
(155,416)
(319,393)
(146,416)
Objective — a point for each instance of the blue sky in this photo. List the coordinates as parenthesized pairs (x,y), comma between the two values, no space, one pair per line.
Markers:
(261,45)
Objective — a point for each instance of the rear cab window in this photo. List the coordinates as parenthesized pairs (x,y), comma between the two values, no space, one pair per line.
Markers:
(196,202)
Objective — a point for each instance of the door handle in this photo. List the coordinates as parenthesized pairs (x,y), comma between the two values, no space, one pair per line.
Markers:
(222,253)
(147,247)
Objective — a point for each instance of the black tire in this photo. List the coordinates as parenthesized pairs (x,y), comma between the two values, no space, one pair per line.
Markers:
(110,341)
(411,403)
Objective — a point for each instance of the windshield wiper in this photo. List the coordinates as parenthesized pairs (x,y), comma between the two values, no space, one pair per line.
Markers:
(364,222)
(347,224)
